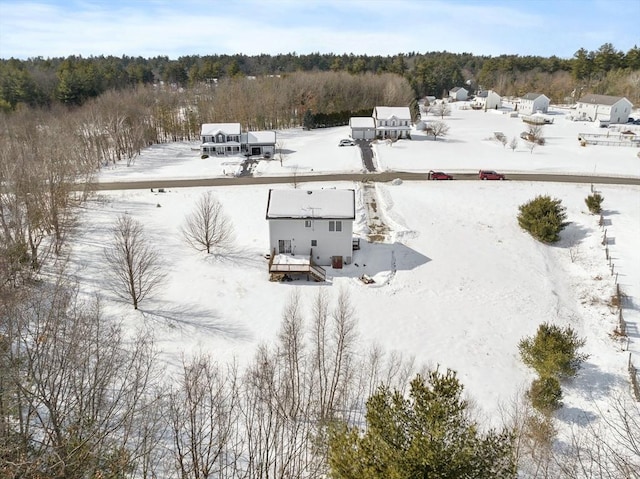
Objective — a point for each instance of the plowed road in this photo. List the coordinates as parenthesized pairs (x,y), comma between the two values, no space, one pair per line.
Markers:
(382,177)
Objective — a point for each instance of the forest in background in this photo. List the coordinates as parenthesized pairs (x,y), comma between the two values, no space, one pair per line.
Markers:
(80,397)
(73,80)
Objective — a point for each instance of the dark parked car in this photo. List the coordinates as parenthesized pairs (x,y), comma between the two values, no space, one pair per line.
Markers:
(490,175)
(439,175)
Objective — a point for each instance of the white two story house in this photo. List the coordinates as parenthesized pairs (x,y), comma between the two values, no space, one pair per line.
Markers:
(533,103)
(458,94)
(604,108)
(227,139)
(315,226)
(392,121)
(487,100)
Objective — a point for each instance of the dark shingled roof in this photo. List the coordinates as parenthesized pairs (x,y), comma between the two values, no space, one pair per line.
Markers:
(600,99)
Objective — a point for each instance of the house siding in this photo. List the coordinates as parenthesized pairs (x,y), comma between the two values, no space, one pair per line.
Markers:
(529,107)
(329,243)
(618,112)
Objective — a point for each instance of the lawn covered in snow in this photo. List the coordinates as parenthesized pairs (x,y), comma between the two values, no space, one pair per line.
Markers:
(470,145)
(456,284)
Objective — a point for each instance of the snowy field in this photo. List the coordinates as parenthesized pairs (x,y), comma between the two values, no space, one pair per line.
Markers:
(469,146)
(457,284)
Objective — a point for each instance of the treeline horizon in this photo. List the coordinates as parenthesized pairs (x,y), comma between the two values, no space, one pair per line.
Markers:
(72,80)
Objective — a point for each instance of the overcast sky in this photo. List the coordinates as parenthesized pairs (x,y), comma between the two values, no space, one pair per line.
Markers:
(147,28)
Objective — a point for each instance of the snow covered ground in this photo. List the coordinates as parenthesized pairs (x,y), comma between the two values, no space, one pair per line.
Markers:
(469,146)
(456,284)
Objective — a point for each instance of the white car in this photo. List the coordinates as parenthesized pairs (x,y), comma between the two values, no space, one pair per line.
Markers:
(346,143)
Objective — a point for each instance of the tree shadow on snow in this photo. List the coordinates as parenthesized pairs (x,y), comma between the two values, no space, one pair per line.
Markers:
(577,416)
(188,318)
(237,257)
(592,383)
(572,235)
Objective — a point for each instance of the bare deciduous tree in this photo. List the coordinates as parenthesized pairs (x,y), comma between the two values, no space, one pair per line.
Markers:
(134,267)
(535,134)
(513,144)
(439,128)
(441,109)
(74,392)
(207,226)
(203,415)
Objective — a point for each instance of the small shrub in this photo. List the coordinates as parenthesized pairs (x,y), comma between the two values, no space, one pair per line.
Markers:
(539,429)
(553,351)
(594,203)
(204,157)
(544,218)
(545,394)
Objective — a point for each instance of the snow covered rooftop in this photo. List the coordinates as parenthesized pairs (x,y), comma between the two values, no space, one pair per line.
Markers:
(391,111)
(362,122)
(210,129)
(329,203)
(254,137)
(532,96)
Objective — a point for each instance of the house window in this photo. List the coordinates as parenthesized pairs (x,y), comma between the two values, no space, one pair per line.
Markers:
(335,225)
(314,242)
(307,223)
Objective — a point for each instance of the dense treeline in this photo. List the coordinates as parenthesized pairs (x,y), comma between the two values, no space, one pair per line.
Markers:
(72,80)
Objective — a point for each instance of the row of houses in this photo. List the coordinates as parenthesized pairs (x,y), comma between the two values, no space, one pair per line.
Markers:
(228,139)
(603,108)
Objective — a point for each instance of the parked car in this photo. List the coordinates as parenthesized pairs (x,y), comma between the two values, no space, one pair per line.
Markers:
(439,175)
(490,175)
(346,143)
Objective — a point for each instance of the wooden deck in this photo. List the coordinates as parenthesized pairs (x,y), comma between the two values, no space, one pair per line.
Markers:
(283,265)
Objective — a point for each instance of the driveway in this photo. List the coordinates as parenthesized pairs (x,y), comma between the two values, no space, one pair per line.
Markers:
(367,155)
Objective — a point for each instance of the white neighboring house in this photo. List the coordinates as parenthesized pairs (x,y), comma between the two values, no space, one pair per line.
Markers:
(314,225)
(534,103)
(259,143)
(392,121)
(487,100)
(362,127)
(220,139)
(604,108)
(227,139)
(458,94)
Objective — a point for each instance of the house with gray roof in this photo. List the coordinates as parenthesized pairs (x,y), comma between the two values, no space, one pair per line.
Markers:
(533,103)
(458,93)
(487,100)
(227,139)
(603,108)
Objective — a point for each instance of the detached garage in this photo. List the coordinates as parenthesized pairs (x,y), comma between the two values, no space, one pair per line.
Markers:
(362,127)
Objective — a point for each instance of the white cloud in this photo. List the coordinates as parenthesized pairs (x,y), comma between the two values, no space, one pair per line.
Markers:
(199,27)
